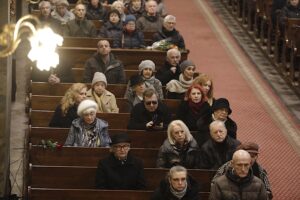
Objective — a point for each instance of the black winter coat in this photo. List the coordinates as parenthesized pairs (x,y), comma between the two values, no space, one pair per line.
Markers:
(58,120)
(109,30)
(164,193)
(114,174)
(172,36)
(93,13)
(134,40)
(164,74)
(140,116)
(114,70)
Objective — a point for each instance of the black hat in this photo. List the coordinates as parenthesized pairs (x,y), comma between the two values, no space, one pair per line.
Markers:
(119,138)
(135,80)
(221,103)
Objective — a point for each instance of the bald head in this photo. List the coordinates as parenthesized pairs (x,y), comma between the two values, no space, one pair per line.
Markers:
(241,163)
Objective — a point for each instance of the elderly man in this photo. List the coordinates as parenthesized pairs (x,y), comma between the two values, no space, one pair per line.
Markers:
(258,171)
(169,33)
(120,170)
(218,149)
(80,26)
(45,16)
(151,114)
(177,185)
(150,21)
(171,69)
(61,12)
(104,61)
(238,182)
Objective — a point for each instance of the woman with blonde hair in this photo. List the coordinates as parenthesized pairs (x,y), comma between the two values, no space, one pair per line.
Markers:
(206,83)
(66,111)
(179,148)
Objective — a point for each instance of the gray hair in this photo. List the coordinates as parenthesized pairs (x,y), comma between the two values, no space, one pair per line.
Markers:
(169,18)
(43,3)
(173,50)
(216,122)
(186,130)
(175,169)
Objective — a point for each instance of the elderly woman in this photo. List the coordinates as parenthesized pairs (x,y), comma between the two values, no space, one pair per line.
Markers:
(179,148)
(136,88)
(136,8)
(66,111)
(176,88)
(95,10)
(206,83)
(105,99)
(193,107)
(88,130)
(113,27)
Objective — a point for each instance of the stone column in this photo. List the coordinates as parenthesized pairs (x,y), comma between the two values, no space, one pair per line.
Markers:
(5,98)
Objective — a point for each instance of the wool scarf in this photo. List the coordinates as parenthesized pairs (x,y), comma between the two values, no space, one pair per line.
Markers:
(180,86)
(179,194)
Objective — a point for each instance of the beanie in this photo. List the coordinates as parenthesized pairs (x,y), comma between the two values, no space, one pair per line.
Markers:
(99,76)
(186,64)
(85,105)
(129,18)
(146,64)
(136,80)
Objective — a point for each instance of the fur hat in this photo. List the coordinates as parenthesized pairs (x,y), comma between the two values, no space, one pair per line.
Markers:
(62,2)
(119,138)
(186,64)
(136,80)
(146,64)
(221,103)
(129,18)
(86,104)
(250,147)
(99,76)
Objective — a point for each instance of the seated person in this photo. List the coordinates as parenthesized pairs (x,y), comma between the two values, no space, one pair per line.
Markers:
(104,61)
(135,7)
(176,88)
(106,100)
(206,83)
(66,111)
(179,148)
(220,111)
(120,170)
(169,33)
(161,9)
(150,21)
(218,149)
(95,10)
(113,27)
(119,5)
(170,70)
(61,12)
(130,38)
(177,185)
(137,88)
(80,26)
(151,114)
(193,106)
(46,18)
(258,171)
(291,10)
(88,130)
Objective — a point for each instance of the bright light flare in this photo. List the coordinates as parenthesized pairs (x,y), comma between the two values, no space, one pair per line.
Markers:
(43,45)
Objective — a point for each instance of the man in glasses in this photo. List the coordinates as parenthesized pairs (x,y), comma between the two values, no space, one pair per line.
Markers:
(120,170)
(150,114)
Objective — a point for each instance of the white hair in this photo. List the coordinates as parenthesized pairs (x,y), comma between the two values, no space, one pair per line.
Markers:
(169,18)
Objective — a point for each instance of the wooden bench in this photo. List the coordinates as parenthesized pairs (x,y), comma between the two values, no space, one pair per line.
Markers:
(84,177)
(93,194)
(43,102)
(139,138)
(81,156)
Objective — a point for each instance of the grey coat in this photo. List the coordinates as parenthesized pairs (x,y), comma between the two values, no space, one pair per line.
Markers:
(76,28)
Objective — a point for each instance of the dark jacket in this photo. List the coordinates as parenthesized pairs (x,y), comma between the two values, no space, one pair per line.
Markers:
(213,155)
(114,70)
(149,23)
(134,40)
(114,174)
(109,30)
(140,116)
(80,28)
(164,193)
(164,74)
(230,186)
(185,114)
(136,13)
(93,13)
(58,120)
(172,36)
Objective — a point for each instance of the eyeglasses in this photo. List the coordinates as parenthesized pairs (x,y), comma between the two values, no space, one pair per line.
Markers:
(120,147)
(148,103)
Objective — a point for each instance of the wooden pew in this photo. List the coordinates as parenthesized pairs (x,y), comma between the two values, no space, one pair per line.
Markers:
(295,53)
(43,102)
(139,138)
(115,120)
(93,194)
(81,156)
(84,177)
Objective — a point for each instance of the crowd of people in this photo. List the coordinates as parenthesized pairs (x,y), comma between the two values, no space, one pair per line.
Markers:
(201,135)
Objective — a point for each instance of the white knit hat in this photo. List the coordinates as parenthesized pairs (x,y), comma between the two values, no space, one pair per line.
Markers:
(146,64)
(86,104)
(99,76)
